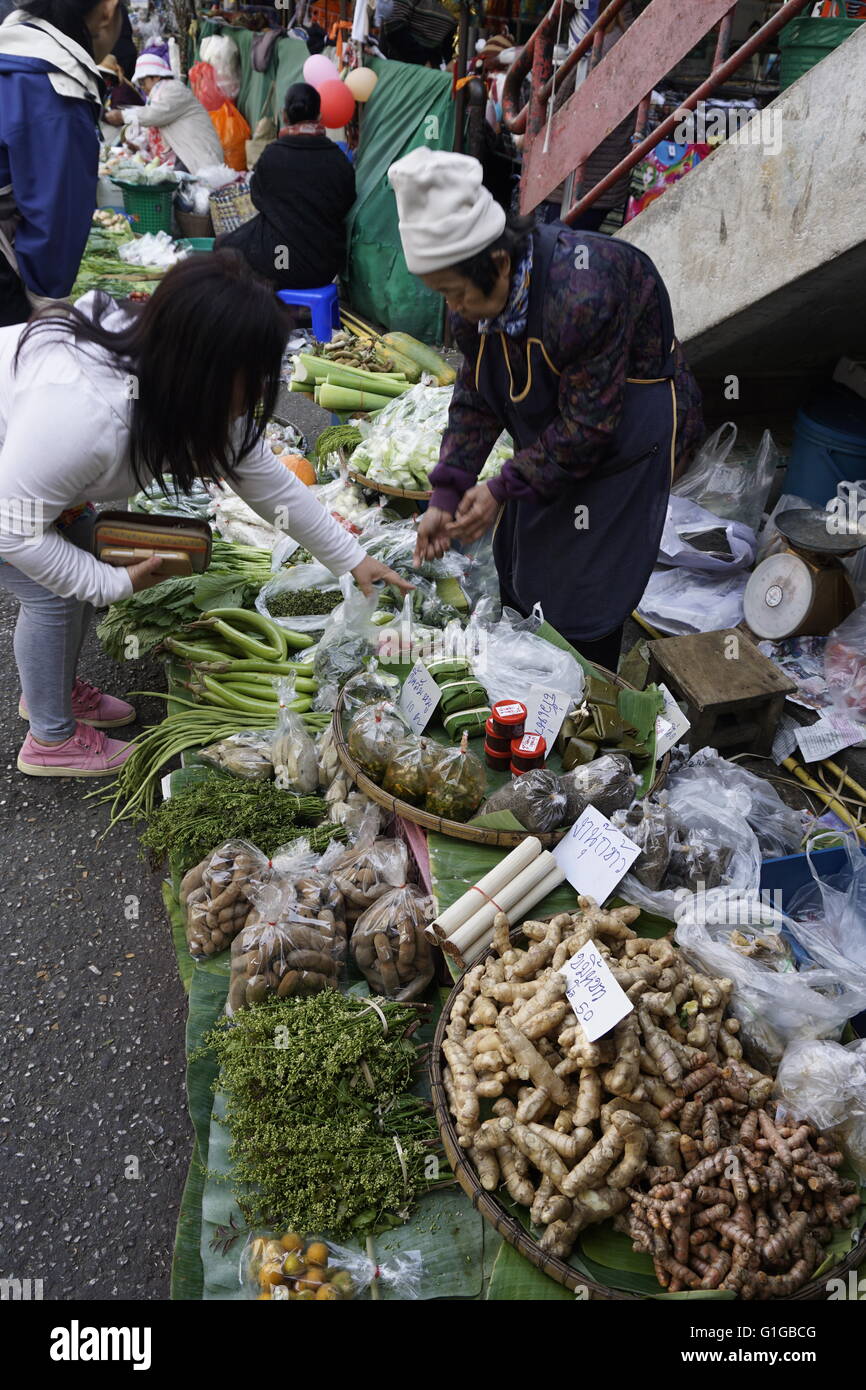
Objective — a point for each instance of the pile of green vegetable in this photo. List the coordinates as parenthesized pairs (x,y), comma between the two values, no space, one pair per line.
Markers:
(218,808)
(325,1135)
(101,267)
(401,447)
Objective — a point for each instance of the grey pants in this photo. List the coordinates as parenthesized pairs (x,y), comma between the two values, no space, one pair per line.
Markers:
(48,637)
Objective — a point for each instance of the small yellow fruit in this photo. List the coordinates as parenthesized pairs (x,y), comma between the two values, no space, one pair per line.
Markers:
(290,1241)
(327,1293)
(317,1253)
(341,1280)
(293,1266)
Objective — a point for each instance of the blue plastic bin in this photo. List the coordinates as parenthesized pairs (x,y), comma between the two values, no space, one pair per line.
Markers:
(792,873)
(829,445)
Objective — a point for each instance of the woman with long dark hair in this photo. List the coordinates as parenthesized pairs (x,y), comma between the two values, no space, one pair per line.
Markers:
(50,99)
(96,404)
(568,343)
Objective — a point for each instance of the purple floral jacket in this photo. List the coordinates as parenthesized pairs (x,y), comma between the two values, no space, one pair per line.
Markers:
(602,325)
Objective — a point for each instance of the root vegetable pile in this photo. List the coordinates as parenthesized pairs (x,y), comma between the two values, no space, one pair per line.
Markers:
(660,1123)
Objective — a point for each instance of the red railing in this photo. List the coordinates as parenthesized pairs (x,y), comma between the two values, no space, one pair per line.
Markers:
(558,144)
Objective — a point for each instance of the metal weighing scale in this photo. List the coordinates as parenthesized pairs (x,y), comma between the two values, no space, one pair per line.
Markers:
(804,589)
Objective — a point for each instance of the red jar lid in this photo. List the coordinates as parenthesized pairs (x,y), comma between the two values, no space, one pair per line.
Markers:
(529,748)
(508,716)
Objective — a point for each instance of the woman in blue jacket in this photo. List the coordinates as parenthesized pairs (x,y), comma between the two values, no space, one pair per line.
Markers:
(50,100)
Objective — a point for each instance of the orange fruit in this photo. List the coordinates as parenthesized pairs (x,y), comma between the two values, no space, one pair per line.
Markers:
(301,467)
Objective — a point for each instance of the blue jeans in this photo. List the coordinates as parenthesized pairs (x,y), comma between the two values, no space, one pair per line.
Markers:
(48,637)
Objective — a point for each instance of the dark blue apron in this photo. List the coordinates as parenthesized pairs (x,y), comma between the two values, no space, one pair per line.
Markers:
(586,555)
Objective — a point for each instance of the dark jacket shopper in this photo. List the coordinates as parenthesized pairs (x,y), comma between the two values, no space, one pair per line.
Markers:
(568,344)
(50,101)
(303,186)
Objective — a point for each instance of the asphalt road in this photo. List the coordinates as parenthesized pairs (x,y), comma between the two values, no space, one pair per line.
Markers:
(95,1138)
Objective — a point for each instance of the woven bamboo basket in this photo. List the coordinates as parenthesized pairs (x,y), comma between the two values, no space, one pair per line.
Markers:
(516,1234)
(388,491)
(458,830)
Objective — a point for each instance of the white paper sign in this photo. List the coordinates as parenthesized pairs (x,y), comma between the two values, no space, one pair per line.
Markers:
(419,697)
(593,993)
(828,735)
(165,784)
(545,712)
(595,855)
(671,724)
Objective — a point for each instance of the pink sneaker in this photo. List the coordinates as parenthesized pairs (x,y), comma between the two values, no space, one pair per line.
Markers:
(90,706)
(87,753)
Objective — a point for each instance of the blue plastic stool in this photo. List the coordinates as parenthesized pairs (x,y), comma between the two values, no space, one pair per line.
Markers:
(323,304)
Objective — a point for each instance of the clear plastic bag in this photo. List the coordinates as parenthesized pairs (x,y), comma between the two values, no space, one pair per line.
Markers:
(829,917)
(246,755)
(283,950)
(293,752)
(389,945)
(367,687)
(294,1267)
(407,775)
(217,896)
(537,799)
(649,826)
(300,579)
(457,784)
(393,542)
(607,783)
(374,736)
(734,491)
(775,1007)
(347,642)
(696,539)
(825,1083)
(370,869)
(779,827)
(511,657)
(845,664)
(682,601)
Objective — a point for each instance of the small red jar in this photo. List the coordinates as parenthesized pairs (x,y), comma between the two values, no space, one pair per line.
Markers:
(527,753)
(499,762)
(507,719)
(493,743)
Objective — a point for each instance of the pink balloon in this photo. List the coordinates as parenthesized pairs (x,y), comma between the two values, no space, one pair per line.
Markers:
(318,69)
(338,104)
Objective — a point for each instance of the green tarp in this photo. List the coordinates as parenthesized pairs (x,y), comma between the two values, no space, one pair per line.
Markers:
(410,106)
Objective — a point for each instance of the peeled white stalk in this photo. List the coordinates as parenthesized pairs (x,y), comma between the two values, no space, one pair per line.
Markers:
(508,897)
(508,868)
(516,913)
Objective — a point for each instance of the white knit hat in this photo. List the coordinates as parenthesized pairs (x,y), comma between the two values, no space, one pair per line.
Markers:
(446,213)
(151,65)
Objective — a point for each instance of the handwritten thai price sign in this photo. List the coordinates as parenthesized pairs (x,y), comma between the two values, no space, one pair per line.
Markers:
(596,998)
(545,712)
(419,697)
(595,855)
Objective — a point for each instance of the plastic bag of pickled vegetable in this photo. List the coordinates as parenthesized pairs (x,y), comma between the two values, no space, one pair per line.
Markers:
(307,1268)
(283,950)
(457,784)
(374,735)
(407,775)
(246,755)
(367,687)
(293,753)
(389,945)
(371,868)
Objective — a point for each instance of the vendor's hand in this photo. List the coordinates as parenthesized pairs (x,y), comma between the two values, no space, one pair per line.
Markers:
(475,515)
(370,571)
(113,117)
(145,573)
(432,535)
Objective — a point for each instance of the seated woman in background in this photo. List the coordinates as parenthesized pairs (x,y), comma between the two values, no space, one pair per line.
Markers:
(303,186)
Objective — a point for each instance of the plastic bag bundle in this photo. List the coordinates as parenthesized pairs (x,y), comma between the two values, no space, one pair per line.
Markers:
(407,775)
(829,917)
(825,1083)
(775,1007)
(389,945)
(223,55)
(457,783)
(217,896)
(370,869)
(374,736)
(367,687)
(779,827)
(650,827)
(303,1269)
(845,664)
(511,657)
(537,799)
(293,753)
(734,491)
(347,642)
(607,783)
(283,950)
(246,755)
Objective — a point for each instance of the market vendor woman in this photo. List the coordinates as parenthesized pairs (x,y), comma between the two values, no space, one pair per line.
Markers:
(568,344)
(94,406)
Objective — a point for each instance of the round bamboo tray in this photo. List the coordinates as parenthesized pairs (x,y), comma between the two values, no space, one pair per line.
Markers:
(388,491)
(516,1234)
(458,830)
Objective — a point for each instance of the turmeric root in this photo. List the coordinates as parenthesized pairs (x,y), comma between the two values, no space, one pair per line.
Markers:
(530,1063)
(591,1169)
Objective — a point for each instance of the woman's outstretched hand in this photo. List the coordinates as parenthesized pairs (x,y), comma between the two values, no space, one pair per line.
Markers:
(475,515)
(432,539)
(371,571)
